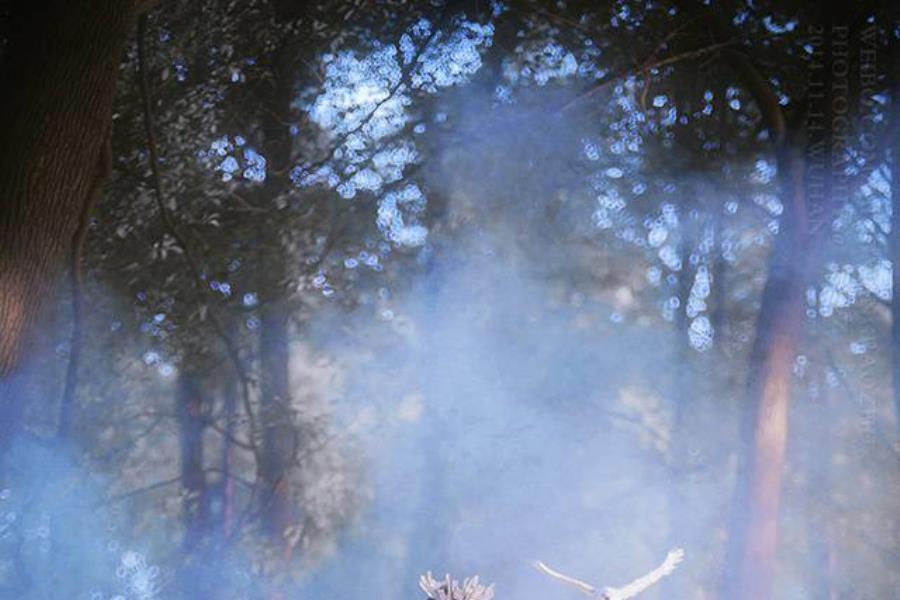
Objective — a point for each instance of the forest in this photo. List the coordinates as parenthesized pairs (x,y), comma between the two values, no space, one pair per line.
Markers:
(449,299)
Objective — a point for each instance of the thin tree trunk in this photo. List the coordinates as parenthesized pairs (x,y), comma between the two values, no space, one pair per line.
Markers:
(894,239)
(193,477)
(58,76)
(67,403)
(717,261)
(685,281)
(279,435)
(894,251)
(276,421)
(230,410)
(717,274)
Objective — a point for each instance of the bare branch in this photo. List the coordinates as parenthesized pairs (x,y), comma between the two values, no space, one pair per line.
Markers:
(646,66)
(392,91)
(148,488)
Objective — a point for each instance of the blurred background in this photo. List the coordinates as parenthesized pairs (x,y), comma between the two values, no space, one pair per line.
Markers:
(375,288)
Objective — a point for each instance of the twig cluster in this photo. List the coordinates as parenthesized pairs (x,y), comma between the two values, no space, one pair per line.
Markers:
(450,589)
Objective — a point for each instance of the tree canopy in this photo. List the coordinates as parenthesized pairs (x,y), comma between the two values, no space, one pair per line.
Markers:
(312,299)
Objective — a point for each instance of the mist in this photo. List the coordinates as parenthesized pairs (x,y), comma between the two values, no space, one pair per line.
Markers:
(376,292)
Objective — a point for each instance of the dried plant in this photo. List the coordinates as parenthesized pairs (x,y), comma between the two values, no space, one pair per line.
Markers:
(448,589)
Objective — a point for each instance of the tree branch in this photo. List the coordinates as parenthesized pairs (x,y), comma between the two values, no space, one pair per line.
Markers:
(171,229)
(404,80)
(646,66)
(76,278)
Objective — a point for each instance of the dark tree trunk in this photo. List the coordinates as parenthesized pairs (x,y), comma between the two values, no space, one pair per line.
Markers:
(716,259)
(191,424)
(279,434)
(76,279)
(895,271)
(685,281)
(57,75)
(717,273)
(276,421)
(230,402)
(894,240)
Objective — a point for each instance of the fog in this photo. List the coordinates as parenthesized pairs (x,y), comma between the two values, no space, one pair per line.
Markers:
(531,339)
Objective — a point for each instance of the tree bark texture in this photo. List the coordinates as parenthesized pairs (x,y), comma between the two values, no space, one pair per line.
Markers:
(57,75)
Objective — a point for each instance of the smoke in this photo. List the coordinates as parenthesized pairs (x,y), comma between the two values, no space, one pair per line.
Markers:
(513,402)
(60,537)
(508,387)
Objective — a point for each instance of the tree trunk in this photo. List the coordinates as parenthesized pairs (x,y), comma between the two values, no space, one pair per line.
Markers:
(894,239)
(750,562)
(716,259)
(276,422)
(717,273)
(58,76)
(279,434)
(193,476)
(685,281)
(765,422)
(230,402)
(76,279)
(804,161)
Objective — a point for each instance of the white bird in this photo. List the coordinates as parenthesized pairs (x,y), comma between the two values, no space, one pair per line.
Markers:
(620,593)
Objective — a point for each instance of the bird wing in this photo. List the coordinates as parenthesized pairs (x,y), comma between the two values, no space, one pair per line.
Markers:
(581,586)
(642,583)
